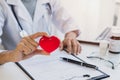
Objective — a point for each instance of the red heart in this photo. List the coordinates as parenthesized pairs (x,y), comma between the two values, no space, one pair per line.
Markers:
(49,44)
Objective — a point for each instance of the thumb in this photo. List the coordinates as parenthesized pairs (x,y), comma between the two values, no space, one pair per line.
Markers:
(42,52)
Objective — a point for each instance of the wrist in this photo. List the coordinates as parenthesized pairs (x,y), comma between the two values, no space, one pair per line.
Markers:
(73,34)
(10,55)
(5,57)
(15,56)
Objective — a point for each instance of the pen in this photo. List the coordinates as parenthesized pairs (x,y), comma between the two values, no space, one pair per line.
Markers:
(79,63)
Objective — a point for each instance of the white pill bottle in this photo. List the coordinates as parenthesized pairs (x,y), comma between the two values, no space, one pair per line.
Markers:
(114,45)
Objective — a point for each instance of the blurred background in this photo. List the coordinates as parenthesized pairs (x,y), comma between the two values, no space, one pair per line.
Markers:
(93,16)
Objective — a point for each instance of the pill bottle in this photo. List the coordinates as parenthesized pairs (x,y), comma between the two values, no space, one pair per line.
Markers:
(114,45)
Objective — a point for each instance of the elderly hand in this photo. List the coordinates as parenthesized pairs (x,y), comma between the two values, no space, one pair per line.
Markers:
(71,44)
(28,47)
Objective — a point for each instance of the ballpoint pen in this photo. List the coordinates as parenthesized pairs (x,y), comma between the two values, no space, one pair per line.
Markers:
(84,63)
(104,75)
(79,63)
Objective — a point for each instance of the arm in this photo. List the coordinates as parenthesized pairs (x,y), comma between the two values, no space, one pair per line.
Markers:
(26,48)
(3,57)
(67,25)
(6,56)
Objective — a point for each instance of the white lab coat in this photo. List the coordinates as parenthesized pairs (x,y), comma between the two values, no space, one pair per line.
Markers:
(10,30)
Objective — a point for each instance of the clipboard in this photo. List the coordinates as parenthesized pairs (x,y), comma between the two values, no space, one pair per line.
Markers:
(53,68)
(103,76)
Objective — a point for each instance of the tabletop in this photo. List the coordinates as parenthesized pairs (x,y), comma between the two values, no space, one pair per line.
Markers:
(10,71)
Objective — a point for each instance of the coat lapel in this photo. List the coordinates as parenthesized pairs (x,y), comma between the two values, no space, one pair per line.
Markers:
(20,10)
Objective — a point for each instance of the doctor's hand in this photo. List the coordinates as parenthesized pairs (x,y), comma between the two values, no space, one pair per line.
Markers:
(70,44)
(27,47)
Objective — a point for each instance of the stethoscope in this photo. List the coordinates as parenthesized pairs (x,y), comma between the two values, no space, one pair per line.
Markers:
(23,33)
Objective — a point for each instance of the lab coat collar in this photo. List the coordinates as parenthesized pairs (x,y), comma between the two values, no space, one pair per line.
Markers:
(26,16)
(20,10)
(15,2)
(12,2)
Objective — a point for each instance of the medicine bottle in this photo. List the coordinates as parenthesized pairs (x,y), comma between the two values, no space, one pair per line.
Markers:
(114,45)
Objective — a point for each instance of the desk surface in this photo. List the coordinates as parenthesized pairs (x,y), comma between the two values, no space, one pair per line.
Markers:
(10,71)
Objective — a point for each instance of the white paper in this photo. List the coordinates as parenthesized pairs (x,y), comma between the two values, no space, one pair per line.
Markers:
(54,68)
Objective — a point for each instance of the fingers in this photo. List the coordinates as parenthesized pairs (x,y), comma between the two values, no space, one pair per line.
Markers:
(73,46)
(69,46)
(23,48)
(79,48)
(41,52)
(30,41)
(38,34)
(28,45)
(76,46)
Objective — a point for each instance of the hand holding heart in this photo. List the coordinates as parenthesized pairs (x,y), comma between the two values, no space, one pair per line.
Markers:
(27,47)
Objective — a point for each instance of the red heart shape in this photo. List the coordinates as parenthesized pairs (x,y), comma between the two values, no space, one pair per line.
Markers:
(49,44)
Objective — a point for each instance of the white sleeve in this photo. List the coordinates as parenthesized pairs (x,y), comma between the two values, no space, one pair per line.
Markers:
(61,18)
(2,21)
